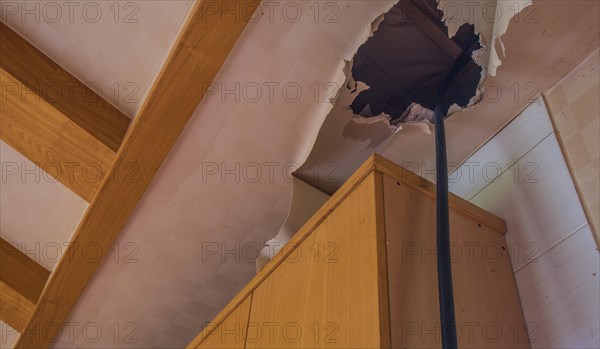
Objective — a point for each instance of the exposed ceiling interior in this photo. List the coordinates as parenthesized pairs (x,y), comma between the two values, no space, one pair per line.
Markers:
(340,147)
(226,186)
(403,63)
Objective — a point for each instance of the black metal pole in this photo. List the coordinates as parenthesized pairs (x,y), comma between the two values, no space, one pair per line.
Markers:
(444,268)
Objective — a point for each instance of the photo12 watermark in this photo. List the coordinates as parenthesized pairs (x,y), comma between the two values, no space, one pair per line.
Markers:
(238,252)
(88,12)
(53,252)
(120,333)
(271,332)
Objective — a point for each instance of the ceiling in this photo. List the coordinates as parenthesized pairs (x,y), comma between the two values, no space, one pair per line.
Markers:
(175,288)
(116,48)
(161,283)
(118,61)
(37,211)
(167,290)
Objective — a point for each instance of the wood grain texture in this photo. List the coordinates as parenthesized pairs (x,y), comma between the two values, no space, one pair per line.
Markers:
(53,142)
(15,309)
(488,311)
(198,53)
(334,201)
(401,174)
(38,74)
(54,120)
(555,260)
(309,227)
(231,333)
(525,195)
(373,163)
(326,294)
(563,284)
(21,283)
(385,334)
(574,105)
(21,272)
(502,151)
(421,20)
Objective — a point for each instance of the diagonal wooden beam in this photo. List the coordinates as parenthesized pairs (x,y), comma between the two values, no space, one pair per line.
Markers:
(55,120)
(21,283)
(58,87)
(15,309)
(203,44)
(57,145)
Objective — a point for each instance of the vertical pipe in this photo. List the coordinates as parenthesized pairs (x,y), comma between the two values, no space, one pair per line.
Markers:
(446,297)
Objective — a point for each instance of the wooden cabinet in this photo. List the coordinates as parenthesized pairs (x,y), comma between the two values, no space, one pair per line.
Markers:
(229,333)
(329,286)
(362,273)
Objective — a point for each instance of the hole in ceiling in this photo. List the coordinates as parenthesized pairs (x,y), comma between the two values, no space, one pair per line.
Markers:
(406,59)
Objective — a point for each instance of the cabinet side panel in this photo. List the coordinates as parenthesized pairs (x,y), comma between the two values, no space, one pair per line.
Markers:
(231,332)
(488,312)
(384,307)
(325,294)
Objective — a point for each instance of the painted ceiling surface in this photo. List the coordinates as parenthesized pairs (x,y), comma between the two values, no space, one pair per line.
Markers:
(225,188)
(116,48)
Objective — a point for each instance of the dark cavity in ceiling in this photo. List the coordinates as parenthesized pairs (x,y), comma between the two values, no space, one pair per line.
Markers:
(406,59)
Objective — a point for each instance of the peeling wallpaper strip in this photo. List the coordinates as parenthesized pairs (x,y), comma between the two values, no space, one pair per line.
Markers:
(491,19)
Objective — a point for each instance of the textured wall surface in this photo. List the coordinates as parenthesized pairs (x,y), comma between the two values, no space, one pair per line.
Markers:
(574,105)
(521,176)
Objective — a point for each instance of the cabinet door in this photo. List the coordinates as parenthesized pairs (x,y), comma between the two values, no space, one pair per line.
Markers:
(326,293)
(488,312)
(231,332)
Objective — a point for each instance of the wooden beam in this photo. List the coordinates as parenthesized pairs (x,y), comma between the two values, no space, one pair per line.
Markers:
(63,91)
(421,20)
(21,283)
(15,309)
(54,120)
(57,145)
(202,46)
